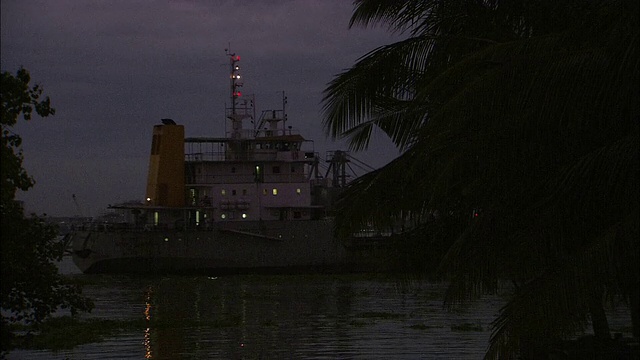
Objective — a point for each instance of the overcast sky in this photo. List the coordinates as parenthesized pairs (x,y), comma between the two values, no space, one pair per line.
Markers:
(113,69)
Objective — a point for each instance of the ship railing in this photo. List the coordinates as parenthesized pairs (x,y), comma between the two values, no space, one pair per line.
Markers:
(275,132)
(252,155)
(270,155)
(284,177)
(259,155)
(106,226)
(260,133)
(205,156)
(131,227)
(241,134)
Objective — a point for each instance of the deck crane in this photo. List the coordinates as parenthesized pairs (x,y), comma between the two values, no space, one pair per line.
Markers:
(339,161)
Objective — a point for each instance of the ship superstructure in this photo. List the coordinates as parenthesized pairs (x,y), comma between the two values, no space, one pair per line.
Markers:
(264,171)
(251,200)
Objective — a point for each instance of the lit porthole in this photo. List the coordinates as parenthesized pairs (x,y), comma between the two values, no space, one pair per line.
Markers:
(298,191)
(274,191)
(223,216)
(223,192)
(244,216)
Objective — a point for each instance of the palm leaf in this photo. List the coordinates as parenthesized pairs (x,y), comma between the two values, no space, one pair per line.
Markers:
(531,119)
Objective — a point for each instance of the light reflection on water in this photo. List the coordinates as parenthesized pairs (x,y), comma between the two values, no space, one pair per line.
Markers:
(310,317)
(273,317)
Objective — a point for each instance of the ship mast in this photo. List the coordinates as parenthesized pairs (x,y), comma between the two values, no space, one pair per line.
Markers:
(234,84)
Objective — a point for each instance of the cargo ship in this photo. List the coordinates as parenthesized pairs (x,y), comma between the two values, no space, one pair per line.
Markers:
(254,200)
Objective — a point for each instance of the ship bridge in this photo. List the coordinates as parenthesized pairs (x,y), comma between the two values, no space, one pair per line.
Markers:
(291,147)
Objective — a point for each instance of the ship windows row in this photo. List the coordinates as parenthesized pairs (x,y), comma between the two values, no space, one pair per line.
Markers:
(275,213)
(233,192)
(275,169)
(274,192)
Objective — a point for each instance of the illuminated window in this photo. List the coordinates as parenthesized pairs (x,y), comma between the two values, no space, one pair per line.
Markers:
(258,174)
(298,191)
(223,192)
(274,191)
(223,216)
(244,215)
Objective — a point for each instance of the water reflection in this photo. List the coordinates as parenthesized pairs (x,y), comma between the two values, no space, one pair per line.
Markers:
(272,317)
(253,317)
(147,344)
(147,331)
(246,317)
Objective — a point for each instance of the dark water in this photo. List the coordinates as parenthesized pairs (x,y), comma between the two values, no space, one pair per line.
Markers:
(276,317)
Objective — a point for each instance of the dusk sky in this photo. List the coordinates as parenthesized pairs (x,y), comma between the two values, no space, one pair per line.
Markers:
(113,69)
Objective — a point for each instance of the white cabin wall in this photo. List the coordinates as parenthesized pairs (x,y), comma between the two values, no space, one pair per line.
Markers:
(286,196)
(233,190)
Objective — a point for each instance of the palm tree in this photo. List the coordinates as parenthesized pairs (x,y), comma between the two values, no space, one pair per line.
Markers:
(525,115)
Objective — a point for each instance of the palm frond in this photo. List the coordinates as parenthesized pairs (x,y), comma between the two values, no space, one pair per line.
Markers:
(555,305)
(355,97)
(531,119)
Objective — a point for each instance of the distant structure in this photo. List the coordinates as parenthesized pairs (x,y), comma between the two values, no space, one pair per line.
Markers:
(168,122)
(79,211)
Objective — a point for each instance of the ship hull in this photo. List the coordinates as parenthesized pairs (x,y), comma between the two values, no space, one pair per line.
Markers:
(279,246)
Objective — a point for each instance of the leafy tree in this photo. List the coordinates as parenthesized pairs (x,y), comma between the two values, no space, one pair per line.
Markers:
(32,288)
(519,125)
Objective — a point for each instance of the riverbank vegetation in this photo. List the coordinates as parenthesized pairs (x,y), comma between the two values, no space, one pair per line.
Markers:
(519,129)
(32,288)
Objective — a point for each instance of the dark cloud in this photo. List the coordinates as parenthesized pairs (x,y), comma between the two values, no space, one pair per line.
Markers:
(114,68)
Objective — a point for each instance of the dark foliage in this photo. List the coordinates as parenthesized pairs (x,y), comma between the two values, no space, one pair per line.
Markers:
(32,288)
(519,122)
